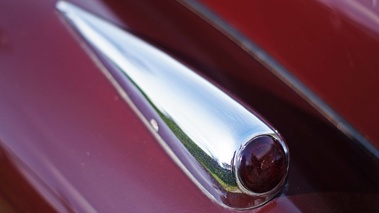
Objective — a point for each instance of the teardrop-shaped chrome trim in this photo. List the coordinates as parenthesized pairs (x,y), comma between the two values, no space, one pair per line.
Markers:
(200,126)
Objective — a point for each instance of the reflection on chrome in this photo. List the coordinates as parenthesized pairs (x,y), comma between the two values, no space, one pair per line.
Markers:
(201,127)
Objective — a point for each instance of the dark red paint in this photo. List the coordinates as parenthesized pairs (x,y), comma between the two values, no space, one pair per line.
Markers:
(85,148)
(16,192)
(262,165)
(330,45)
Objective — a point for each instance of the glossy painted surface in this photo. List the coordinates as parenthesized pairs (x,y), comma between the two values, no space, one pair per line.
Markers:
(16,192)
(330,45)
(65,122)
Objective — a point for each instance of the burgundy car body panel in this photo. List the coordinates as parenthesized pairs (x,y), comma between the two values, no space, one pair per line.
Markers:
(71,143)
(332,46)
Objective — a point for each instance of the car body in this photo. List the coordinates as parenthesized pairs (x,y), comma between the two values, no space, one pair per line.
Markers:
(69,142)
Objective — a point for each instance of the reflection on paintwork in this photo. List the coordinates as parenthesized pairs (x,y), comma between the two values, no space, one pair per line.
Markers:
(22,190)
(343,38)
(206,123)
(364,13)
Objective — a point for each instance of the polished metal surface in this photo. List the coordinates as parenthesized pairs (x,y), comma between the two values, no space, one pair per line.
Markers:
(200,126)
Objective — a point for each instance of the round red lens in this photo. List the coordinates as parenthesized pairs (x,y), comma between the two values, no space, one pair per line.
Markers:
(263,164)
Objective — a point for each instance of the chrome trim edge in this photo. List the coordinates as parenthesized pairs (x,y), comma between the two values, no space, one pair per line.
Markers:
(200,126)
(281,72)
